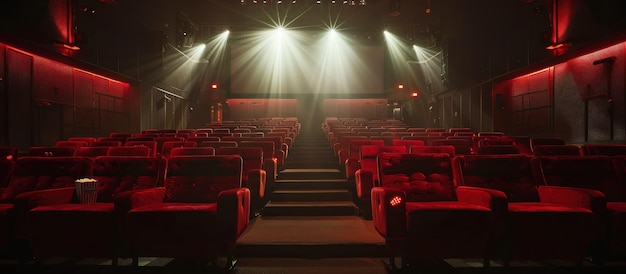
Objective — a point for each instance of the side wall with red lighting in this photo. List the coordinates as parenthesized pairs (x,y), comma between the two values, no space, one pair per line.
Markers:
(581,99)
(45,100)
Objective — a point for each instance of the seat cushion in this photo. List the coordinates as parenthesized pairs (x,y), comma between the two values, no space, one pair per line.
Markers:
(162,229)
(73,230)
(5,217)
(447,229)
(560,231)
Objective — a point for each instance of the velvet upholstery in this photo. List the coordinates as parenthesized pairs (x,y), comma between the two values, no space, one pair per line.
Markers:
(433,149)
(367,176)
(91,152)
(461,146)
(546,150)
(270,163)
(63,227)
(6,169)
(604,149)
(415,209)
(349,158)
(589,173)
(51,151)
(202,208)
(254,177)
(532,221)
(152,145)
(30,175)
(126,151)
(190,151)
(168,146)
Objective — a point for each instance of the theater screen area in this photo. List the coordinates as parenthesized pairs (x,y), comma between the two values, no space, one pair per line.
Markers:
(283,63)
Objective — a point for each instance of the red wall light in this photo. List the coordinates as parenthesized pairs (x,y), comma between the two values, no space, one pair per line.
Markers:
(415,94)
(400,86)
(214,86)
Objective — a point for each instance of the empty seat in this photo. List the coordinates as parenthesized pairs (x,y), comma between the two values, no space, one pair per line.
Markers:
(533,221)
(604,149)
(415,209)
(190,151)
(54,151)
(64,227)
(544,150)
(202,208)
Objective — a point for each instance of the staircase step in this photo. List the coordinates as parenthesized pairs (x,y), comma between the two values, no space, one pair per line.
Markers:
(310,237)
(302,184)
(313,195)
(317,208)
(310,174)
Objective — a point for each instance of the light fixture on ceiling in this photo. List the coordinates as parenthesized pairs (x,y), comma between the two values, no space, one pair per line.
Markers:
(395,8)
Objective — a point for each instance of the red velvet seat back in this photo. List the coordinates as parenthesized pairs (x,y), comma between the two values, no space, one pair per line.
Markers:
(355,146)
(167,146)
(66,143)
(433,149)
(47,151)
(594,172)
(36,173)
(91,152)
(200,179)
(511,174)
(190,151)
(604,149)
(461,146)
(267,146)
(369,155)
(118,174)
(152,145)
(423,177)
(143,151)
(544,150)
(408,143)
(252,157)
(6,169)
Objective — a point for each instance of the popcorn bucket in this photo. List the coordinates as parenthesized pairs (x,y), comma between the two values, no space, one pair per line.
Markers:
(87,191)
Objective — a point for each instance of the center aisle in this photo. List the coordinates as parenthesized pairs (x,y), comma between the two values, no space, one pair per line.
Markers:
(311,214)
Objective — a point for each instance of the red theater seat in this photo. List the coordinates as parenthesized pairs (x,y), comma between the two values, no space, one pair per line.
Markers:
(51,151)
(532,221)
(168,146)
(254,177)
(366,177)
(126,151)
(192,151)
(415,209)
(19,195)
(198,215)
(63,227)
(592,173)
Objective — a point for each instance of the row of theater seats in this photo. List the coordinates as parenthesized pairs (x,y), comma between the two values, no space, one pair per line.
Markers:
(487,196)
(191,207)
(509,207)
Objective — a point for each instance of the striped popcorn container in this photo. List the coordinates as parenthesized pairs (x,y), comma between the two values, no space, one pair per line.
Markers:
(86,190)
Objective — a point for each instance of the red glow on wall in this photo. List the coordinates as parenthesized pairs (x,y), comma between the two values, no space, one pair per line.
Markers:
(401,86)
(214,86)
(415,94)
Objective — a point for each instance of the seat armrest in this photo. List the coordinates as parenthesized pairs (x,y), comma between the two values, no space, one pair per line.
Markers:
(352,165)
(233,212)
(493,199)
(128,200)
(56,196)
(343,155)
(389,212)
(591,199)
(257,179)
(364,180)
